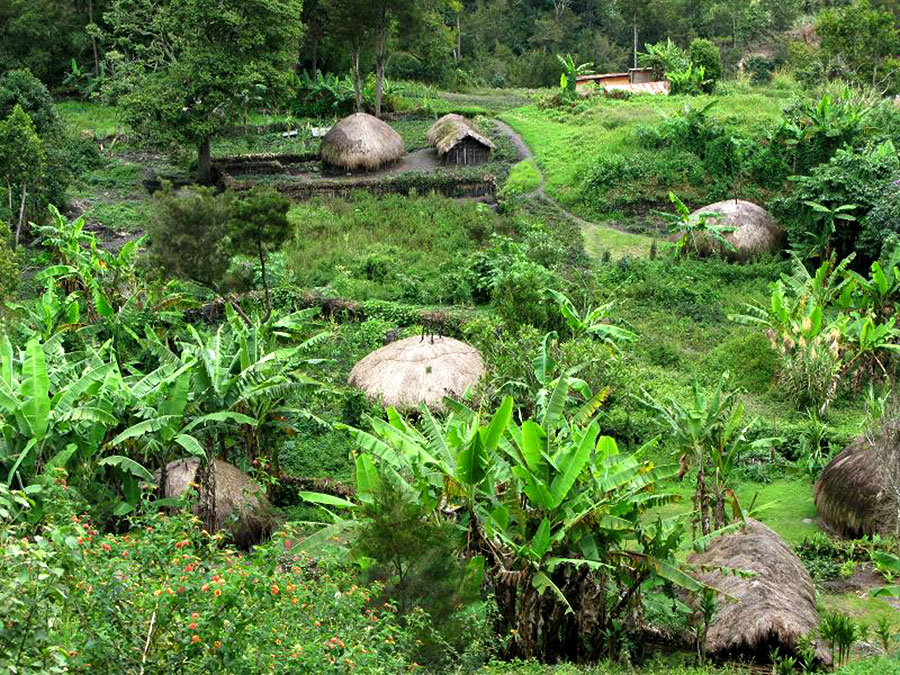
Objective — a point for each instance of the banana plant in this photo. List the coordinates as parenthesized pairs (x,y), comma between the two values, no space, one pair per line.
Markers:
(593,322)
(56,407)
(552,507)
(167,428)
(243,369)
(712,434)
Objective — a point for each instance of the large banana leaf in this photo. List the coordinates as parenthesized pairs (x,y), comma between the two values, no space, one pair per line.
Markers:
(35,408)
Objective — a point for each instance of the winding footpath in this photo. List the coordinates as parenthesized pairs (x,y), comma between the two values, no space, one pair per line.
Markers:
(540,193)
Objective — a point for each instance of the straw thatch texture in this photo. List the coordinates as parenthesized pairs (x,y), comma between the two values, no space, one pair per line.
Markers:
(361,142)
(755,231)
(849,493)
(773,608)
(241,507)
(418,370)
(453,129)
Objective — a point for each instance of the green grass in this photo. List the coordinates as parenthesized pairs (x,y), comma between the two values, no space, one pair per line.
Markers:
(393,248)
(100,120)
(568,144)
(878,665)
(600,239)
(524,177)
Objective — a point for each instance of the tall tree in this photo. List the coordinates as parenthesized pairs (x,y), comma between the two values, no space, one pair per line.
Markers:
(184,69)
(350,21)
(385,16)
(21,161)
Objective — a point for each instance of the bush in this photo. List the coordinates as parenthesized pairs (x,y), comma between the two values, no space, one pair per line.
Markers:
(760,69)
(189,234)
(166,598)
(706,53)
(880,233)
(518,296)
(858,179)
(20,87)
(9,265)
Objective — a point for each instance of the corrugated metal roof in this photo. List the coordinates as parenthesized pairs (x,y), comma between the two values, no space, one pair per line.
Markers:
(642,87)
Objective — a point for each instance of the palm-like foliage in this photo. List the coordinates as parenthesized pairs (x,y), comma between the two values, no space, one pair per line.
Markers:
(711,432)
(552,507)
(828,324)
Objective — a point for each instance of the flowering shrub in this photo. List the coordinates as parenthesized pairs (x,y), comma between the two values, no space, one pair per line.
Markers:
(166,598)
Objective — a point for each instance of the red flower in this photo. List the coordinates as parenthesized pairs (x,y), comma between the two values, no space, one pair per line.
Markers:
(192,625)
(195,639)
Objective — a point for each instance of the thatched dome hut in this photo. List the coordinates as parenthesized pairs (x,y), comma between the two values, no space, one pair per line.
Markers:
(773,608)
(361,142)
(850,493)
(241,507)
(755,230)
(407,373)
(458,141)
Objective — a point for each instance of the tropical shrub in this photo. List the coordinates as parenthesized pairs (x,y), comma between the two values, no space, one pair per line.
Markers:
(664,57)
(813,131)
(552,514)
(706,53)
(711,432)
(825,211)
(828,325)
(691,81)
(166,597)
(760,68)
(188,234)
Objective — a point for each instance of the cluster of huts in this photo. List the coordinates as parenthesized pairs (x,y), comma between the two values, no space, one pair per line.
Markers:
(770,604)
(362,142)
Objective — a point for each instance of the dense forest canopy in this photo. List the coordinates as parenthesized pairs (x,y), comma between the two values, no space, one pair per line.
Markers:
(511,42)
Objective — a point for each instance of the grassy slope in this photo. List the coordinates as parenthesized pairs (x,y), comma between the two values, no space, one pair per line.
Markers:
(567,145)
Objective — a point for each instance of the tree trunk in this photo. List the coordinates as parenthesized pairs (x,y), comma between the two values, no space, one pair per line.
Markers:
(458,54)
(634,26)
(94,40)
(380,58)
(703,502)
(204,163)
(207,482)
(21,213)
(357,78)
(265,280)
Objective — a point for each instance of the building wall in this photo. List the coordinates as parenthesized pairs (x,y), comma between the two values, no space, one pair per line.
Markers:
(616,78)
(467,152)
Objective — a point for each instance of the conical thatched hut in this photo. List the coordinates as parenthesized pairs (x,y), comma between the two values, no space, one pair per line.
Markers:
(774,607)
(407,373)
(241,507)
(755,231)
(458,141)
(850,495)
(361,142)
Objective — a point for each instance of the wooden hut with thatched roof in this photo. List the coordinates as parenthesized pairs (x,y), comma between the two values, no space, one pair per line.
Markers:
(361,142)
(407,373)
(242,509)
(458,141)
(754,231)
(773,606)
(850,494)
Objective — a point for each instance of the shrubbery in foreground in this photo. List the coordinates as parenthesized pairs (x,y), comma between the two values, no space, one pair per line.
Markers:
(165,598)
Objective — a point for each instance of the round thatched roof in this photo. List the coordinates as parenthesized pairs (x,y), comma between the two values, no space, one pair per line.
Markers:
(241,507)
(361,141)
(849,493)
(773,608)
(418,370)
(755,233)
